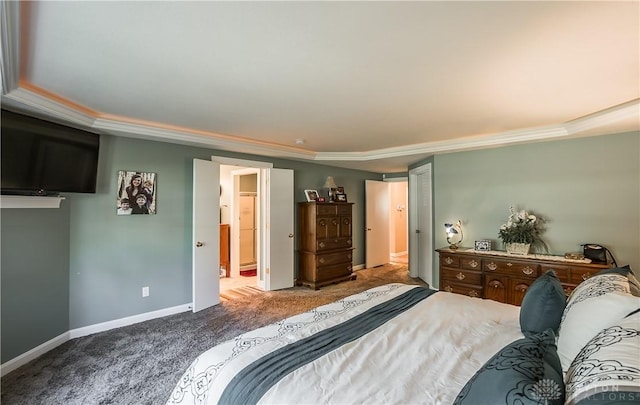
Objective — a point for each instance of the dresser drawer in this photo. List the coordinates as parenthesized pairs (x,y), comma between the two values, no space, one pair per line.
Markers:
(331,244)
(334,271)
(461,276)
(344,210)
(570,274)
(327,259)
(563,272)
(450,261)
(470,263)
(326,210)
(578,275)
(510,267)
(471,291)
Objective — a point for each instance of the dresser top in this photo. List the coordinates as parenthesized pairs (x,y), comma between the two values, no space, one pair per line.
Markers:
(554,258)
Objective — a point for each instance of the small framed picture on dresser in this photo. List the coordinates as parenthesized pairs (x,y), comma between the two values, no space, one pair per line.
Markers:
(483,245)
(312,195)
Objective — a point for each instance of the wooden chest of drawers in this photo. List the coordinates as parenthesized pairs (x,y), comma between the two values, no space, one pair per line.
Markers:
(504,278)
(325,254)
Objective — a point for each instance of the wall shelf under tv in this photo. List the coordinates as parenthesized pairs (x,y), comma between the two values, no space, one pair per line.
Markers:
(20,201)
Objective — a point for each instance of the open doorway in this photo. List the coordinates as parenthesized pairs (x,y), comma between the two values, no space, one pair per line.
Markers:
(386,222)
(239,219)
(398,222)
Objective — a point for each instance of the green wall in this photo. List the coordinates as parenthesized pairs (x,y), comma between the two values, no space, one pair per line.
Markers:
(35,277)
(95,270)
(587,190)
(82,264)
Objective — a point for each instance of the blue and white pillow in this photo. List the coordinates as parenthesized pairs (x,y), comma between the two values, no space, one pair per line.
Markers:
(597,303)
(607,369)
(526,372)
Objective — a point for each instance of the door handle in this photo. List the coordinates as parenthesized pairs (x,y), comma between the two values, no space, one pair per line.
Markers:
(199,244)
(417,230)
(291,235)
(367,229)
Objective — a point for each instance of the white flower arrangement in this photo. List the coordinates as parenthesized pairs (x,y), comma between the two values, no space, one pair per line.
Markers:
(521,227)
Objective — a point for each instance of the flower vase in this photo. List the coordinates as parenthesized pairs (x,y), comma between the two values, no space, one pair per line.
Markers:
(518,248)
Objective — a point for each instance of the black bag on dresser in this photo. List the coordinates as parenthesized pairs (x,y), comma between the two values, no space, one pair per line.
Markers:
(597,253)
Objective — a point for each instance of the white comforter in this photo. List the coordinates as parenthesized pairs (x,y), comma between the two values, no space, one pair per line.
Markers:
(424,355)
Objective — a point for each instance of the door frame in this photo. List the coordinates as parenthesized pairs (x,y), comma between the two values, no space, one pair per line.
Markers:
(415,199)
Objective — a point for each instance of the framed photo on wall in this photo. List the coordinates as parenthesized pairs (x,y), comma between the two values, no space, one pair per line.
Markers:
(136,193)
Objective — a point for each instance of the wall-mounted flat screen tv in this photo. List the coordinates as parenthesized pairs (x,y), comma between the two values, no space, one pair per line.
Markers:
(44,158)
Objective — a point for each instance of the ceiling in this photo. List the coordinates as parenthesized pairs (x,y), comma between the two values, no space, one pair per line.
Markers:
(370,85)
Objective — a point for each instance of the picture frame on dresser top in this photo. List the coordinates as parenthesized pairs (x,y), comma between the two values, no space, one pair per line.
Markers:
(504,278)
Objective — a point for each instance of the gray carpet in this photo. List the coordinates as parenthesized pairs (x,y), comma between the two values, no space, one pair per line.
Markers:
(140,364)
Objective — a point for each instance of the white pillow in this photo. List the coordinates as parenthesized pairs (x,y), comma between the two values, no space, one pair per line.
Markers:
(597,303)
(608,367)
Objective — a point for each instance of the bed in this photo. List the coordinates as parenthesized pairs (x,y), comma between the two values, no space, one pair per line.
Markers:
(400,344)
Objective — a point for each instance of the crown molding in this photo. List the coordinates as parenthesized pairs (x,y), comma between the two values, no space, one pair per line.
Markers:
(55,106)
(621,112)
(46,104)
(186,136)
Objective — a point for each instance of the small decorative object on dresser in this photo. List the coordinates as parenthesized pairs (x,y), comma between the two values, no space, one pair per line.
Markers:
(518,248)
(483,245)
(312,195)
(521,232)
(454,234)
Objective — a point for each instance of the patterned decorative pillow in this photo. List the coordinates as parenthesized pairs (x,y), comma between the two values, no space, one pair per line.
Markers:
(607,369)
(543,305)
(525,372)
(597,303)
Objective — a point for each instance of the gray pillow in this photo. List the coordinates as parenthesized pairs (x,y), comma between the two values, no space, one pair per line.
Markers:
(543,305)
(525,372)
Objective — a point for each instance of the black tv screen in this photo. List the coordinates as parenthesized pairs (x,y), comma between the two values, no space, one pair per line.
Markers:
(44,158)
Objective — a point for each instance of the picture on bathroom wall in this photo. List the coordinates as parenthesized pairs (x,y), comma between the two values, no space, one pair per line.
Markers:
(136,193)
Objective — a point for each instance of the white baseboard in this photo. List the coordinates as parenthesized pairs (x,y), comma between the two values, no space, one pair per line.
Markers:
(397,254)
(358,267)
(85,331)
(34,353)
(130,320)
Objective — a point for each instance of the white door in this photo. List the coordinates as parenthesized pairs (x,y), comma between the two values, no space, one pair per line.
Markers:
(279,229)
(206,234)
(420,224)
(377,223)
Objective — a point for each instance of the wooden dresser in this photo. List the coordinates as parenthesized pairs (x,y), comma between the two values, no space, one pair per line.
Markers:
(225,257)
(325,254)
(505,278)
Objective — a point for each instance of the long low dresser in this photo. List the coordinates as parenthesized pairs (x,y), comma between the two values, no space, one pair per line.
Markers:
(506,277)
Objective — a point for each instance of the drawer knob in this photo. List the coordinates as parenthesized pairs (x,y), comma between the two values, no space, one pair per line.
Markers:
(473,264)
(448,260)
(521,288)
(349,256)
(334,222)
(322,222)
(528,271)
(585,276)
(473,293)
(349,242)
(492,266)
(509,264)
(448,288)
(321,244)
(460,276)
(321,260)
